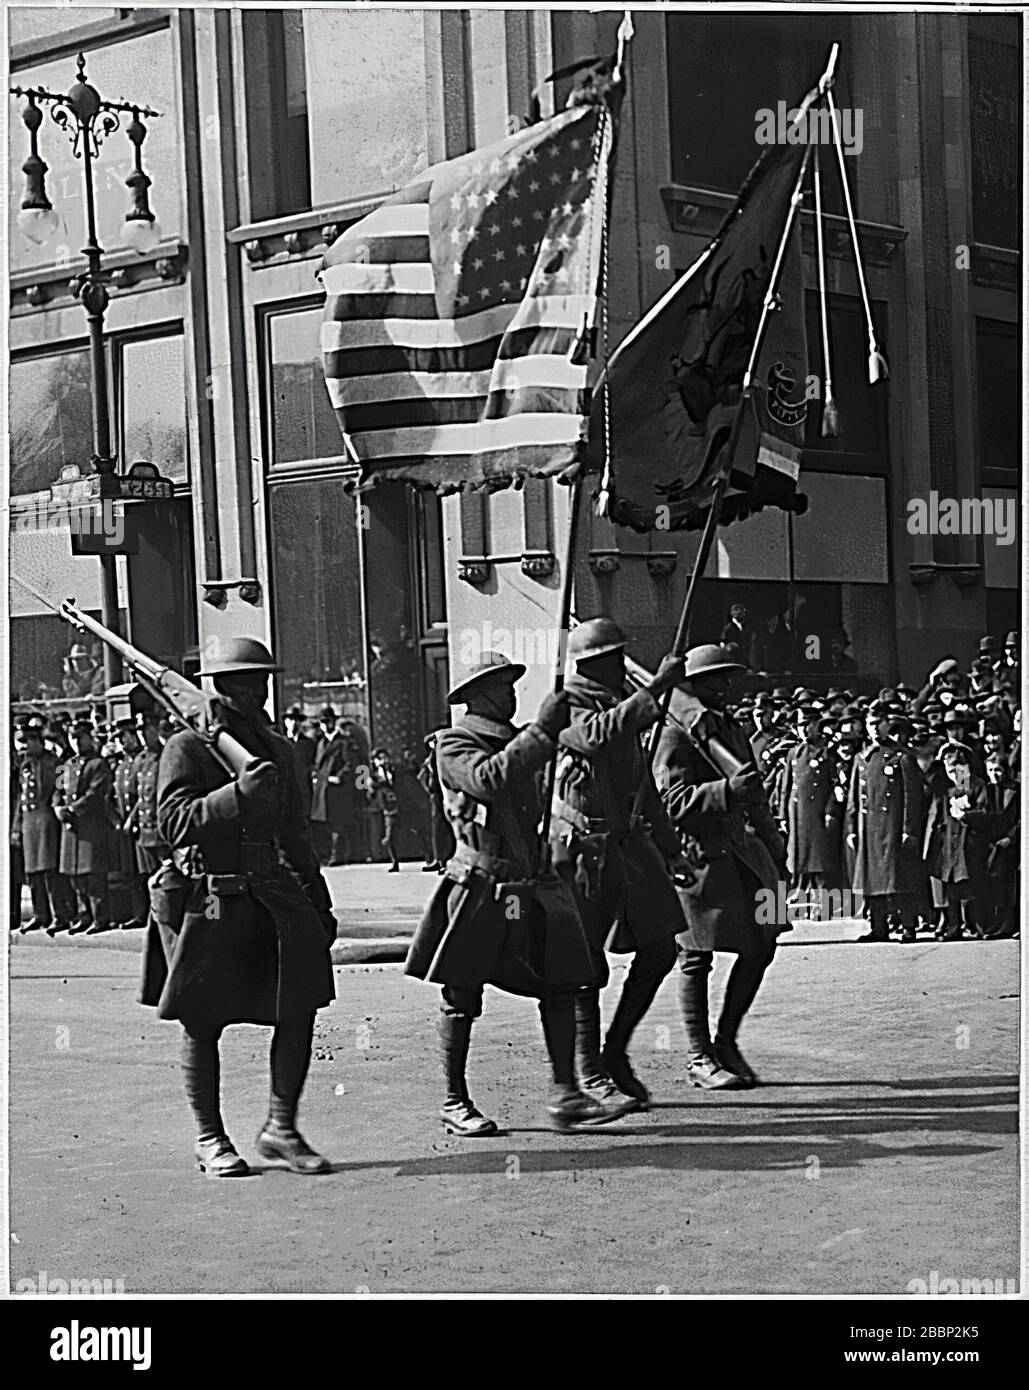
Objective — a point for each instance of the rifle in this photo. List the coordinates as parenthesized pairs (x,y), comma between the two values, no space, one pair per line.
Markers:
(185,702)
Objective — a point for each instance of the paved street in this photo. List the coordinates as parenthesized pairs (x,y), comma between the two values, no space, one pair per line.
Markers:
(882,1148)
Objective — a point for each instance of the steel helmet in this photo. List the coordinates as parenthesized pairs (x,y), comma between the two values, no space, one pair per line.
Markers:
(708,658)
(595,637)
(240,654)
(493,665)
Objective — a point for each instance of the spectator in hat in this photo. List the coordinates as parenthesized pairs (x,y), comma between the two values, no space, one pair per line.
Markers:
(304,749)
(439,827)
(81,799)
(736,633)
(806,807)
(333,802)
(123,837)
(770,646)
(998,825)
(39,832)
(840,662)
(955,852)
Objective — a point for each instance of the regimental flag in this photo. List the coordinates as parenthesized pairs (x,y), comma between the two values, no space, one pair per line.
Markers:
(460,312)
(676,380)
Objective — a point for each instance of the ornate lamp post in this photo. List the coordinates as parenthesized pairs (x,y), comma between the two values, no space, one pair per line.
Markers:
(88,120)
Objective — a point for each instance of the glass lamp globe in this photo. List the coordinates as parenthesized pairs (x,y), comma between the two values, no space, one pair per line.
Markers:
(142,233)
(38,224)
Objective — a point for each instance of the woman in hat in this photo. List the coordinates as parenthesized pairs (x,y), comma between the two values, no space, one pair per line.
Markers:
(955,851)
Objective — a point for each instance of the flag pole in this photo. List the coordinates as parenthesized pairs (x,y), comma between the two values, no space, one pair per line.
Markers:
(679,645)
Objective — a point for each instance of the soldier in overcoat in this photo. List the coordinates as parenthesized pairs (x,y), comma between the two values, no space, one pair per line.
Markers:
(81,802)
(39,834)
(883,821)
(730,889)
(151,848)
(618,863)
(248,940)
(123,839)
(808,808)
(500,915)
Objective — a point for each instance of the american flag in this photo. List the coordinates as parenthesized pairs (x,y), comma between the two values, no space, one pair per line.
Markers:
(459,312)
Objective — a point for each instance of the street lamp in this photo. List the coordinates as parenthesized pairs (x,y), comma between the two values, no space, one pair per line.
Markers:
(87,119)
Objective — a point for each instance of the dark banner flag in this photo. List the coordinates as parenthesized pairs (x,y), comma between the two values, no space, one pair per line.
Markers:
(460,312)
(675,382)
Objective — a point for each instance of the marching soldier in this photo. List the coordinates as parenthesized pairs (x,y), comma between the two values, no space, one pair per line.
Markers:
(250,941)
(40,834)
(123,856)
(619,868)
(500,916)
(714,796)
(81,803)
(885,804)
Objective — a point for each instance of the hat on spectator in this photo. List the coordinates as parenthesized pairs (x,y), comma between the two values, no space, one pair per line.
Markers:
(989,646)
(326,712)
(960,714)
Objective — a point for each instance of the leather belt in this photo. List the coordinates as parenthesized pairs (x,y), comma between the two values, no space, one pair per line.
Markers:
(479,861)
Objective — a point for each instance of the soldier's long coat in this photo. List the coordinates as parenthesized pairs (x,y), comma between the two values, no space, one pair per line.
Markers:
(806,798)
(469,936)
(633,902)
(123,848)
(254,956)
(886,801)
(38,827)
(734,849)
(150,847)
(84,787)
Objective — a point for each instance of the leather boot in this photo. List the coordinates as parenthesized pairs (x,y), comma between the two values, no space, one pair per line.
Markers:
(279,1139)
(741,989)
(701,1066)
(459,1115)
(594,1081)
(218,1158)
(649,967)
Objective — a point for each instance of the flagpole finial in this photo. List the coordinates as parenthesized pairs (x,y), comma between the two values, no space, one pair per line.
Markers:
(829,76)
(625,32)
(878,369)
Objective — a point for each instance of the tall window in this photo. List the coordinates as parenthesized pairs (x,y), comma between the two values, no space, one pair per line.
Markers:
(722,69)
(51,419)
(153,404)
(336,105)
(302,423)
(998,402)
(994,77)
(141,67)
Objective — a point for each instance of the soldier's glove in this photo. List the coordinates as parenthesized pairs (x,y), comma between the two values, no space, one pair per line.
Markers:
(258,782)
(745,786)
(554,714)
(671,672)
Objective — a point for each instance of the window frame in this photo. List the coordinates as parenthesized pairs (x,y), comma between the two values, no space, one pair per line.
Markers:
(97,34)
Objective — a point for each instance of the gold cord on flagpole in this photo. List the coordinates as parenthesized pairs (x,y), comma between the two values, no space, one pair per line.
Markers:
(830,414)
(877,368)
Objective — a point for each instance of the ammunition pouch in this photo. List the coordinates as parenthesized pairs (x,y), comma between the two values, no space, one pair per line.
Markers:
(467,864)
(590,858)
(226,885)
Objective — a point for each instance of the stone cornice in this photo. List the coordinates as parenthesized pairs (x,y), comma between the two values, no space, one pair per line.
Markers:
(52,286)
(301,236)
(699,212)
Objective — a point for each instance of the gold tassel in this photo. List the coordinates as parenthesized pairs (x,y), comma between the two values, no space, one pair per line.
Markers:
(877,368)
(603,502)
(830,420)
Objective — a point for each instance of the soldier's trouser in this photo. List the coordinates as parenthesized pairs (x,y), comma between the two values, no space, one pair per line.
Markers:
(290,1060)
(17,883)
(40,897)
(741,989)
(62,898)
(459,1008)
(91,891)
(201,1072)
(649,967)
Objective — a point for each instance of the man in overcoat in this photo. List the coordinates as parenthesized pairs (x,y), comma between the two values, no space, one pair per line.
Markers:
(303,747)
(500,915)
(81,802)
(39,833)
(123,839)
(883,821)
(809,810)
(618,864)
(247,940)
(333,809)
(151,848)
(730,890)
